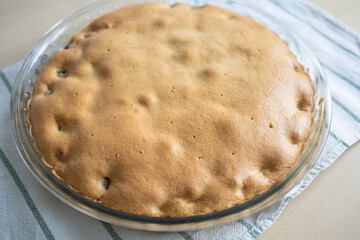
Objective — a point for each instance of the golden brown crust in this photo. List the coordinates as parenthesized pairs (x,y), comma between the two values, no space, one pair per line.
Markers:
(171,110)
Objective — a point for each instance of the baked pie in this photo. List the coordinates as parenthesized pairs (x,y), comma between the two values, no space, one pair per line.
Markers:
(172,110)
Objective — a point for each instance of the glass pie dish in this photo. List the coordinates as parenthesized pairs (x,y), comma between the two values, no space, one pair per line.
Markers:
(58,37)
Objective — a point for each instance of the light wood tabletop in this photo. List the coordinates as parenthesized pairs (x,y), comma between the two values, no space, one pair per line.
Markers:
(328,209)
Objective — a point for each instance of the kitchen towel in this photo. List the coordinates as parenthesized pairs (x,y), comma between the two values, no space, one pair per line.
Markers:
(28,211)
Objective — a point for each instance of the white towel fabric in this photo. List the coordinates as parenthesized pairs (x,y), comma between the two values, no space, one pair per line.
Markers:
(28,211)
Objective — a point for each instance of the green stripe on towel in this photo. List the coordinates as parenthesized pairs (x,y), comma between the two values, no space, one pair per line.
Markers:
(315,29)
(250,228)
(340,76)
(111,230)
(44,227)
(338,139)
(356,118)
(185,236)
(32,206)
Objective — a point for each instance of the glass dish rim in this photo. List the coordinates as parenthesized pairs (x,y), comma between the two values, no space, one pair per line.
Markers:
(52,184)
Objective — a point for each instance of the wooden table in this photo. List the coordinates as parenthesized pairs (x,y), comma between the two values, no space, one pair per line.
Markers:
(328,209)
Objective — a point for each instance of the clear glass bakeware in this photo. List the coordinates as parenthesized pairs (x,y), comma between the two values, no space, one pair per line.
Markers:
(59,35)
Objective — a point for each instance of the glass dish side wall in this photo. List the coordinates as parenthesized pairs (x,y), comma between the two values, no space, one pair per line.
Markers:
(59,35)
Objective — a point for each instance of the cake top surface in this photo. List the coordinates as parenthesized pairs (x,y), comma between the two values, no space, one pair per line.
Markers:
(173,111)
